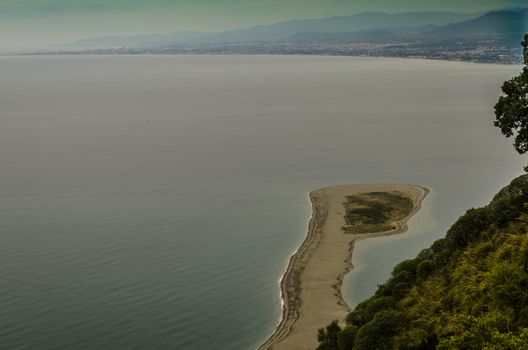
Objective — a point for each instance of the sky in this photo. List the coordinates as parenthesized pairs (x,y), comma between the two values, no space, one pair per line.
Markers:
(40,23)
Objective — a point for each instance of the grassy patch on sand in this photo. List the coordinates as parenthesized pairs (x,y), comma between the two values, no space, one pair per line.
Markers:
(375,211)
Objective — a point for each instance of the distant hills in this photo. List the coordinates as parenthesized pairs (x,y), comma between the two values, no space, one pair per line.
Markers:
(506,27)
(358,22)
(489,37)
(503,22)
(282,31)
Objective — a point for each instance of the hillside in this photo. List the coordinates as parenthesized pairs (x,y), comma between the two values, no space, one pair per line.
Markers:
(282,30)
(491,37)
(468,290)
(357,22)
(502,27)
(504,22)
(370,27)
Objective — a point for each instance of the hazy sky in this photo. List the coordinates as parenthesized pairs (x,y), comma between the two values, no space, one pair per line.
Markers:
(31,23)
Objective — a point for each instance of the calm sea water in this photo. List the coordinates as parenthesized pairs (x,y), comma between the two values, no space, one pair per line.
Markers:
(152,202)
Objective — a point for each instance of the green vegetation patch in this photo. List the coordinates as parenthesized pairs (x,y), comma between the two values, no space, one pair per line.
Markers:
(375,211)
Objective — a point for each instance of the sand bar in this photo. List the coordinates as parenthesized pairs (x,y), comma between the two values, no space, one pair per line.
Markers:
(311,286)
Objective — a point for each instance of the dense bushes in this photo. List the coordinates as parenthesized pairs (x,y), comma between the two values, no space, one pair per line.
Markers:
(375,211)
(378,333)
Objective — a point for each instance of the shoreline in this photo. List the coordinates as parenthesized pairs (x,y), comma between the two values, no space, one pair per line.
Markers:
(183,54)
(315,272)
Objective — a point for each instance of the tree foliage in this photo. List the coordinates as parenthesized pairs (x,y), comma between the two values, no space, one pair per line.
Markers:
(511,110)
(328,337)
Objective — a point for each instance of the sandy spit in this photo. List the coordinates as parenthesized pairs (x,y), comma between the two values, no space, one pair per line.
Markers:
(311,285)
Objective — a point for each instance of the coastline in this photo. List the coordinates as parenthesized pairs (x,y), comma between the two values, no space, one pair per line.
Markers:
(311,286)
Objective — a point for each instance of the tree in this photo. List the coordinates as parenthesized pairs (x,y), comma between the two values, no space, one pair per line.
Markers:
(378,333)
(346,338)
(511,110)
(328,337)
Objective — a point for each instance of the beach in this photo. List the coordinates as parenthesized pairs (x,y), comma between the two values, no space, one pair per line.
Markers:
(311,285)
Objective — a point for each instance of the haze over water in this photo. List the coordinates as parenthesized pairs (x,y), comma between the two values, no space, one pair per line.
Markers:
(152,202)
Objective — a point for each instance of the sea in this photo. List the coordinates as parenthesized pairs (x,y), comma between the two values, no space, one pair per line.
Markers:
(153,201)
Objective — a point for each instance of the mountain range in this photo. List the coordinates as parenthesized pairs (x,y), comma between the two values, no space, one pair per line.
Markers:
(280,31)
(505,26)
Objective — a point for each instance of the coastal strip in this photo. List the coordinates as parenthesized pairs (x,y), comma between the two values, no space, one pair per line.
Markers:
(311,285)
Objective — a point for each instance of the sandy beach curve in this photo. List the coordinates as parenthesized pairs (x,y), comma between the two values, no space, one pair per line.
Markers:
(311,285)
